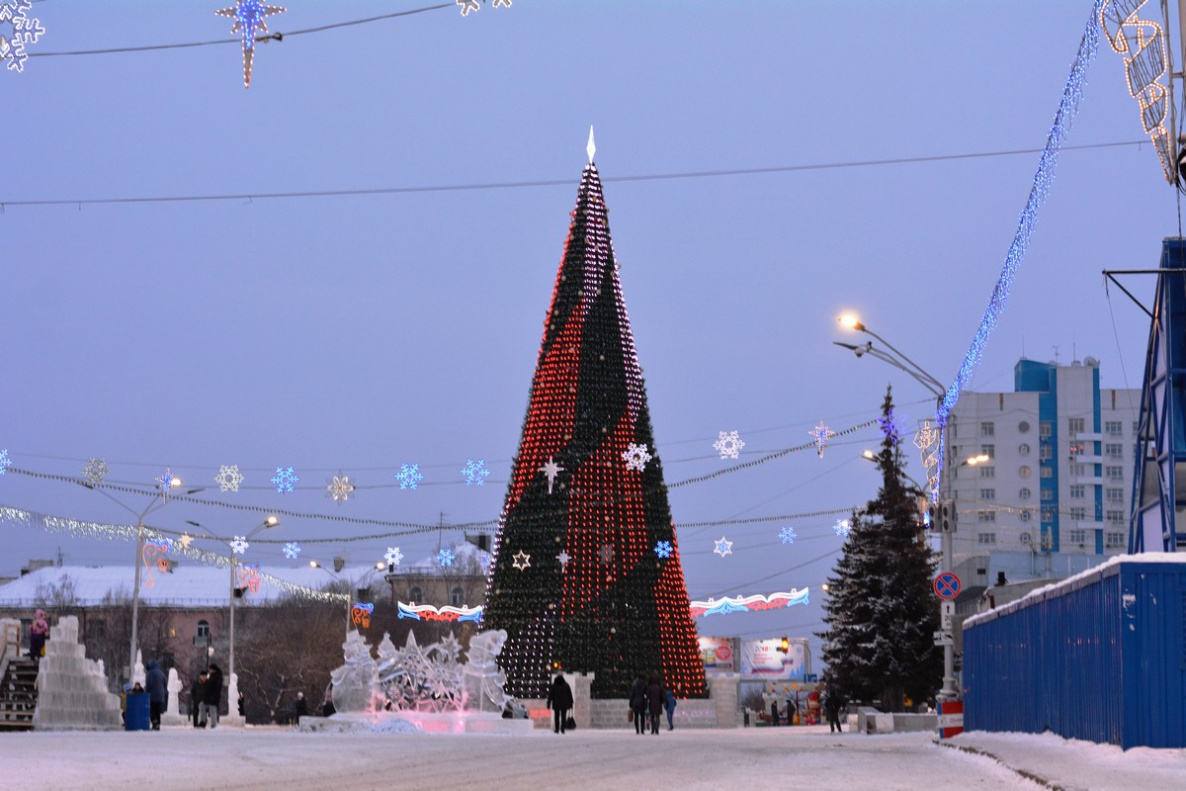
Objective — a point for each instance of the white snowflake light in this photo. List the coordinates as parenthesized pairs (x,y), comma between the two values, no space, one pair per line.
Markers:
(285,479)
(239,545)
(522,560)
(822,434)
(475,472)
(25,31)
(663,549)
(393,556)
(95,471)
(636,457)
(500,3)
(563,558)
(468,5)
(5,462)
(842,528)
(723,547)
(728,445)
(340,488)
(445,557)
(409,476)
(787,535)
(228,478)
(550,471)
(291,550)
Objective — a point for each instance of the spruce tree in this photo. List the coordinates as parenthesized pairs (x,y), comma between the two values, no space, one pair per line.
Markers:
(586,574)
(881,610)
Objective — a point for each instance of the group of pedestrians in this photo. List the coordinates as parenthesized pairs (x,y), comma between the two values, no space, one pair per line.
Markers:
(649,699)
(205,697)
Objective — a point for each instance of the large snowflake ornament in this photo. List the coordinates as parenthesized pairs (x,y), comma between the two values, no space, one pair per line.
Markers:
(409,476)
(822,434)
(228,478)
(291,550)
(728,445)
(393,556)
(285,480)
(340,488)
(787,535)
(5,462)
(468,5)
(445,557)
(239,545)
(25,31)
(723,547)
(842,528)
(663,549)
(95,471)
(636,457)
(475,472)
(250,20)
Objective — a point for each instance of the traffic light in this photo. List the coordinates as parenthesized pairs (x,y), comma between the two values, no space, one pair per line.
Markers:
(941,517)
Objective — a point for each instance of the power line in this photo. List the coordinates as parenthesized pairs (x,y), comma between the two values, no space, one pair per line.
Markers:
(566,182)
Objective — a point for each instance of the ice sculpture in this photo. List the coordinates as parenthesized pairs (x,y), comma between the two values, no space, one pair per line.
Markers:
(172,714)
(233,717)
(356,683)
(72,692)
(432,679)
(483,678)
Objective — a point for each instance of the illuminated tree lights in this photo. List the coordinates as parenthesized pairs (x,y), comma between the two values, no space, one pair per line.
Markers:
(596,597)
(250,19)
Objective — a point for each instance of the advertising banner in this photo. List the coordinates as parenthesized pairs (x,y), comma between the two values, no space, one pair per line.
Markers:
(764,659)
(718,654)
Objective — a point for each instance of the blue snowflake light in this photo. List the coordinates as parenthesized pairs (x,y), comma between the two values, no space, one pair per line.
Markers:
(393,556)
(5,462)
(285,479)
(787,535)
(842,528)
(250,20)
(446,557)
(291,550)
(475,472)
(723,547)
(409,476)
(663,549)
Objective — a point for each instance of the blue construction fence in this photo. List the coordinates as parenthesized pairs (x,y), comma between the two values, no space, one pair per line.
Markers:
(1099,657)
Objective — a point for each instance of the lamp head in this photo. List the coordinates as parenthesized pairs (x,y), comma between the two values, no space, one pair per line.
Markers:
(851,322)
(870,455)
(272,521)
(314,564)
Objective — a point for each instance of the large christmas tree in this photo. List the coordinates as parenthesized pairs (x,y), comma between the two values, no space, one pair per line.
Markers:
(881,611)
(586,574)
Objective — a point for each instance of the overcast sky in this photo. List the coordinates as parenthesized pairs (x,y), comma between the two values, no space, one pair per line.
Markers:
(359,333)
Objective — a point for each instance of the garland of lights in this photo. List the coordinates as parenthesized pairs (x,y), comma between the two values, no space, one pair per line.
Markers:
(754,603)
(1067,107)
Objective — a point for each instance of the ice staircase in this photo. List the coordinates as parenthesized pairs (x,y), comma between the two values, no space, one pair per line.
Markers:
(18,695)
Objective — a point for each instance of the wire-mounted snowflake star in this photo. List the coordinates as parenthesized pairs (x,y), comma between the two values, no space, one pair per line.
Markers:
(340,488)
(475,472)
(723,547)
(393,556)
(167,482)
(250,20)
(228,478)
(25,31)
(95,471)
(239,545)
(636,457)
(787,535)
(822,434)
(5,462)
(409,476)
(522,560)
(291,550)
(729,445)
(468,5)
(663,549)
(842,528)
(445,557)
(285,479)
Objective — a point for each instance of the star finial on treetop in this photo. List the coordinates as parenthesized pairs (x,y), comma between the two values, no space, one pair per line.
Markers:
(591,148)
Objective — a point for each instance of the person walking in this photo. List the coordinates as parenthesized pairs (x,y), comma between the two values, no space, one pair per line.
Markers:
(197,694)
(158,693)
(560,702)
(833,703)
(213,696)
(638,704)
(669,707)
(655,701)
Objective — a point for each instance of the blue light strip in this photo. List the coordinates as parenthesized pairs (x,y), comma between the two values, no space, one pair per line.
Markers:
(1067,108)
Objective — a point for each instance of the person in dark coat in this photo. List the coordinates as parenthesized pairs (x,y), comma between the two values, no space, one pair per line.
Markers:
(560,702)
(197,694)
(158,693)
(213,696)
(833,703)
(638,704)
(301,707)
(655,701)
(669,707)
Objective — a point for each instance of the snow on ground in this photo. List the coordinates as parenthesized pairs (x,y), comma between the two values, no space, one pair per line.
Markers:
(278,758)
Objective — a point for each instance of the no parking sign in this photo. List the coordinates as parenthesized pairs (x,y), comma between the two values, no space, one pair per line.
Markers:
(947,585)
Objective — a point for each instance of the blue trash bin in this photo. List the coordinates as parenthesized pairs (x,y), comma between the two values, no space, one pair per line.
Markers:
(137,714)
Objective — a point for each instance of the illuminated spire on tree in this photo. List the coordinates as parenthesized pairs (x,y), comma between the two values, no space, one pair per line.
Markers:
(597,596)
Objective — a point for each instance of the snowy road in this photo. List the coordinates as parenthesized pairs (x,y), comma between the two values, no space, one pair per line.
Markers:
(264,759)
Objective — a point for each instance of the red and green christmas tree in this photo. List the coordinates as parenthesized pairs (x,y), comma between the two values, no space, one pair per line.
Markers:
(586,574)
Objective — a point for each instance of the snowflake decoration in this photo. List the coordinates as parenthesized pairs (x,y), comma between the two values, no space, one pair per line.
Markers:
(239,545)
(228,478)
(636,457)
(550,471)
(94,472)
(563,559)
(822,434)
(185,540)
(165,483)
(468,5)
(723,547)
(500,3)
(340,488)
(409,476)
(787,535)
(25,31)
(522,560)
(475,472)
(926,436)
(285,479)
(891,426)
(5,462)
(842,528)
(393,556)
(729,445)
(250,20)
(663,549)
(445,557)
(291,550)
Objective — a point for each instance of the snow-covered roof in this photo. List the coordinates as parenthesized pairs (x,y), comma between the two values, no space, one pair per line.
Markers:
(466,556)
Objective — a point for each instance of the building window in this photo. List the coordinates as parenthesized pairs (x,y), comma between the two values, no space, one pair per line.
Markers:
(1048,513)
(986,516)
(1024,494)
(1024,471)
(988,472)
(1136,427)
(203,629)
(986,538)
(1078,491)
(1078,469)
(1025,514)
(1116,517)
(1078,536)
(987,429)
(988,494)
(1023,449)
(1114,427)
(989,450)
(1045,429)
(1114,473)
(1114,495)
(1077,513)
(1047,472)
(1076,448)
(416,595)
(457,596)
(1045,452)
(1023,427)
(1047,494)
(1025,538)
(1114,539)
(1075,425)
(1114,450)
